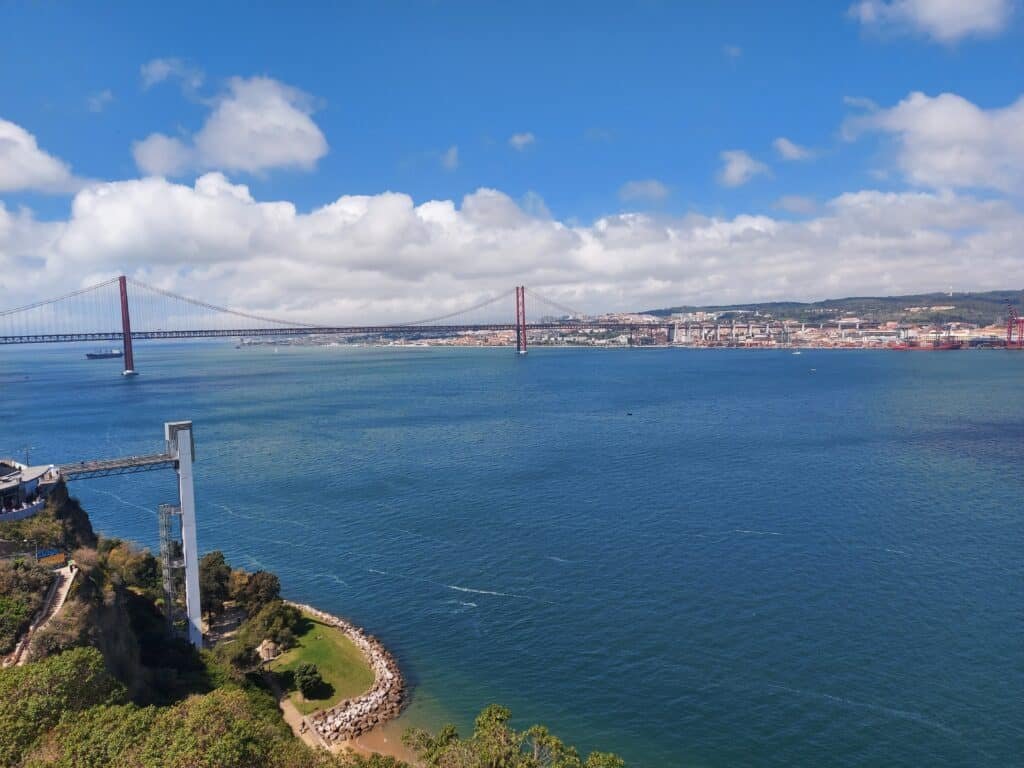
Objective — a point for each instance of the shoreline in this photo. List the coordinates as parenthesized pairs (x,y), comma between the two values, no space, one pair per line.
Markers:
(351,722)
(696,347)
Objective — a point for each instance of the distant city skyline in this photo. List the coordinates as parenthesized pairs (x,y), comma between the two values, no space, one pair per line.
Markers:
(379,161)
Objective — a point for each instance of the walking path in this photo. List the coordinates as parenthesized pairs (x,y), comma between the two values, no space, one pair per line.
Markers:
(55,597)
(292,716)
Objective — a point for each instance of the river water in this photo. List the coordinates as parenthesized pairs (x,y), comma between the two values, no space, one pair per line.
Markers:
(693,558)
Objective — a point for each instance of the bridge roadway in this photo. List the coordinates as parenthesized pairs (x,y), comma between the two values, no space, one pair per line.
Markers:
(45,338)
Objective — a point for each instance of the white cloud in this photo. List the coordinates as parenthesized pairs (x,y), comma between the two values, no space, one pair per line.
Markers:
(946,21)
(946,141)
(860,102)
(257,124)
(644,189)
(533,204)
(158,70)
(24,166)
(386,258)
(520,141)
(796,204)
(97,102)
(732,51)
(738,168)
(160,155)
(450,158)
(789,150)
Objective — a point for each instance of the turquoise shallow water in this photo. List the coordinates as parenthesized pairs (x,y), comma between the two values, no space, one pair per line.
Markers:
(711,558)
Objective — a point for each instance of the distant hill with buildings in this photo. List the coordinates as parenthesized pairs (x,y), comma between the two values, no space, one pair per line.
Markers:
(982,308)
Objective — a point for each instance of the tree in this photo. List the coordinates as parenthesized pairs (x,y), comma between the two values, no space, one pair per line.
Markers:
(604,760)
(275,621)
(214,576)
(308,679)
(261,588)
(495,744)
(237,583)
(132,566)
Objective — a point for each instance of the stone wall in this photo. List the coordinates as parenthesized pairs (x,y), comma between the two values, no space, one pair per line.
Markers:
(384,700)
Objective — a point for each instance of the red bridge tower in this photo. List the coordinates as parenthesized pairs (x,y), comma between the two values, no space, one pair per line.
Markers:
(126,329)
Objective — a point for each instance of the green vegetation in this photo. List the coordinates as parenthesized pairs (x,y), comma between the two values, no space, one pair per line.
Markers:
(308,680)
(23,588)
(495,744)
(108,686)
(214,582)
(62,524)
(340,663)
(982,308)
(261,588)
(34,698)
(277,622)
(69,712)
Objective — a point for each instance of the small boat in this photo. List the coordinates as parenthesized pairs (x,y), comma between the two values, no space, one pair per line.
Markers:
(104,354)
(798,352)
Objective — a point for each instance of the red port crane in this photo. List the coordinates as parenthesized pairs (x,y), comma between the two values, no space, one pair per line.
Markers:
(1014,323)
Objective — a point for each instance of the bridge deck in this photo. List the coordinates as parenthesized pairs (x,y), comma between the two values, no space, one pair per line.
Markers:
(122,466)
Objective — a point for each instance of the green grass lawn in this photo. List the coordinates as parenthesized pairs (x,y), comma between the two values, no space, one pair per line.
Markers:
(340,662)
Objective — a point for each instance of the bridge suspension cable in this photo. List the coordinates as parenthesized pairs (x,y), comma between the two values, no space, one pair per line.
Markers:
(478,306)
(573,313)
(55,299)
(217,308)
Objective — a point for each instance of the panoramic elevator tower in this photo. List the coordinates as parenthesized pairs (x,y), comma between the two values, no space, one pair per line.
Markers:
(179,552)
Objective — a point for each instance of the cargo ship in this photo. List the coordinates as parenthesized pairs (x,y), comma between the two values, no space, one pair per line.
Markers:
(927,346)
(104,354)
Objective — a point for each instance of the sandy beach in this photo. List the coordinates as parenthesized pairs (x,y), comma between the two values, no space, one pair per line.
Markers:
(385,739)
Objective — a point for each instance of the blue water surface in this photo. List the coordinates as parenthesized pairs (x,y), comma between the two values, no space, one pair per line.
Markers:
(692,558)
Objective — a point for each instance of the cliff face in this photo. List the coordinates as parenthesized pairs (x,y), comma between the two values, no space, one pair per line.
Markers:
(75,523)
(95,614)
(62,524)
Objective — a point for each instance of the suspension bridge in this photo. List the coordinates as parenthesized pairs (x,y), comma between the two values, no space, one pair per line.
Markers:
(126,310)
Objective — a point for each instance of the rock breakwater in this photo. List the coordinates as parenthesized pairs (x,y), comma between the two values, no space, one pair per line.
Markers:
(385,699)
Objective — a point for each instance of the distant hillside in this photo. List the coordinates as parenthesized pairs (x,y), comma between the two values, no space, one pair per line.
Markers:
(981,308)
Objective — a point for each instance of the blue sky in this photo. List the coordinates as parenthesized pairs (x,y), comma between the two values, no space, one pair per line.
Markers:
(600,94)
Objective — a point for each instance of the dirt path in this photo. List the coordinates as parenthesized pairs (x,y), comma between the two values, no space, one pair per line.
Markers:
(292,716)
(55,597)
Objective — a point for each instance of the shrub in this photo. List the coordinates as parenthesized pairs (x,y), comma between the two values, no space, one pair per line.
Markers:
(33,698)
(23,588)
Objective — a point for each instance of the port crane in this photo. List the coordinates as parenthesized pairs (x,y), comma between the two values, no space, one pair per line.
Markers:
(1014,325)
